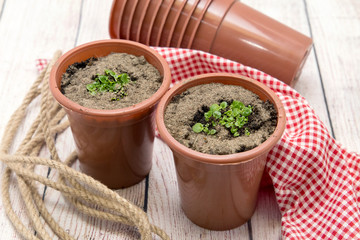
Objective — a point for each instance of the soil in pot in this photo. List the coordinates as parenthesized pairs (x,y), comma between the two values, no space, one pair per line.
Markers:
(143,81)
(189,108)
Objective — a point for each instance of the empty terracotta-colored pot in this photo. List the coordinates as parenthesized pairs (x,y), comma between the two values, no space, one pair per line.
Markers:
(114,146)
(127,18)
(138,19)
(159,22)
(116,13)
(219,192)
(183,22)
(208,27)
(148,22)
(253,39)
(170,23)
(227,28)
(194,23)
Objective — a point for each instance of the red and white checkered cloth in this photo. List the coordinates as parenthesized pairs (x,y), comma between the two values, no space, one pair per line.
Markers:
(316,181)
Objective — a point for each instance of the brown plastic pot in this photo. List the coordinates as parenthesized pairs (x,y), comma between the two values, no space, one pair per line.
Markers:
(219,192)
(148,22)
(114,146)
(116,13)
(194,22)
(127,17)
(251,38)
(137,19)
(182,22)
(207,29)
(160,22)
(238,32)
(170,23)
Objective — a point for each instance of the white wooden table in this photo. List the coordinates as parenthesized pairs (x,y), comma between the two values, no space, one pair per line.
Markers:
(330,82)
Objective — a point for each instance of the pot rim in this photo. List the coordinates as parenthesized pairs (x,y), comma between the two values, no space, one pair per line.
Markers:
(138,107)
(220,159)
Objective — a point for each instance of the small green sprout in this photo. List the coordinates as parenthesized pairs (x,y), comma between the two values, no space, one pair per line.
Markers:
(110,82)
(223,105)
(198,127)
(233,117)
(209,131)
(215,111)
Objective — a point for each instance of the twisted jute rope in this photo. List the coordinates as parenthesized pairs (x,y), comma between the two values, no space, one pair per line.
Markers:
(79,189)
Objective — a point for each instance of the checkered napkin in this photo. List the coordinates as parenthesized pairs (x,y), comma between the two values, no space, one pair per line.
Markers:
(316,181)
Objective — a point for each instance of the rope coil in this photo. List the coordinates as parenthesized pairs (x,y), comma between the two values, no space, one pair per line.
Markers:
(79,189)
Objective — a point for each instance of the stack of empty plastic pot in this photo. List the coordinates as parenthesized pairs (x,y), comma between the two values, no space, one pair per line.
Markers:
(226,28)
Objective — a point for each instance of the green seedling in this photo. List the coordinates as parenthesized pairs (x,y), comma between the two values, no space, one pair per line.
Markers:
(199,127)
(110,82)
(233,117)
(215,111)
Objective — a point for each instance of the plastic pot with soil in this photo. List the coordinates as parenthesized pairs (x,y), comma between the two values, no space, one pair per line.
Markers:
(220,128)
(114,125)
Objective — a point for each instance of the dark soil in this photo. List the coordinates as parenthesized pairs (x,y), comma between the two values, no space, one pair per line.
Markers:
(188,108)
(145,81)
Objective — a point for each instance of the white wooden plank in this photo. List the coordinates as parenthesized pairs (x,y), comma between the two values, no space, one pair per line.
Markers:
(265,223)
(95,21)
(2,6)
(26,35)
(164,203)
(336,31)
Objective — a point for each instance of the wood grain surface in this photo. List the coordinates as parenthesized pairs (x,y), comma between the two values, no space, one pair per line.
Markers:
(37,28)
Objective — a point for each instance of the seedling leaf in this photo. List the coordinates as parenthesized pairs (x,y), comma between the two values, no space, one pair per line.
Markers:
(110,82)
(217,114)
(232,117)
(214,107)
(212,131)
(223,105)
(198,127)
(208,115)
